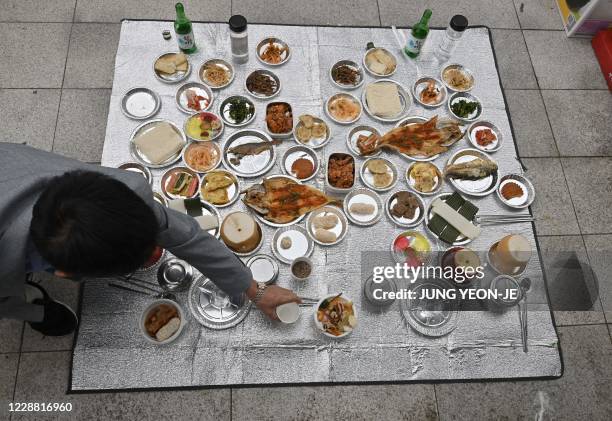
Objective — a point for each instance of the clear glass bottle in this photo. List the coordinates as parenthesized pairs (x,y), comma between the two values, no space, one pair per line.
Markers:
(454,31)
(239,38)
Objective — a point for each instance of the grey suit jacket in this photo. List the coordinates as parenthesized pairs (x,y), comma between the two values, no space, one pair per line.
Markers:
(24,172)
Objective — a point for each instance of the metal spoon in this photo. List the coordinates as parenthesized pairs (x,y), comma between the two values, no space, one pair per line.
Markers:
(525,287)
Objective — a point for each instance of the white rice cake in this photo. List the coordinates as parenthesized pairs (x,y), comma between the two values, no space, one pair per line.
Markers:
(383,99)
(159,143)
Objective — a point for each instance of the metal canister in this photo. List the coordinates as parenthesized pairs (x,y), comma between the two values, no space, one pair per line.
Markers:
(505,293)
(175,275)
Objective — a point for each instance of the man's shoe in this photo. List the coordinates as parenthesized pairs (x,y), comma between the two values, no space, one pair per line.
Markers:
(59,319)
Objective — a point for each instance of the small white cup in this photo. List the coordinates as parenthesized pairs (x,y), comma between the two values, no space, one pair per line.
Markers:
(288,313)
(301,259)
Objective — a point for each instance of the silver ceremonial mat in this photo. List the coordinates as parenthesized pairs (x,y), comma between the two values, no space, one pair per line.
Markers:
(111,353)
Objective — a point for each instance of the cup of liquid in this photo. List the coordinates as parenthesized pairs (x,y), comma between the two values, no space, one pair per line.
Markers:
(288,313)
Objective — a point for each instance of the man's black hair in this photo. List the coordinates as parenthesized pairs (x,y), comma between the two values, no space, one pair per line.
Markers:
(88,224)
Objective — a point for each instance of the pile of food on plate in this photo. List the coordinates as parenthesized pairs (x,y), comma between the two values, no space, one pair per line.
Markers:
(261,83)
(380,62)
(203,126)
(202,157)
(382,173)
(274,52)
(426,177)
(215,185)
(310,127)
(323,226)
(279,118)
(216,75)
(162,322)
(170,64)
(195,101)
(182,184)
(336,316)
(341,171)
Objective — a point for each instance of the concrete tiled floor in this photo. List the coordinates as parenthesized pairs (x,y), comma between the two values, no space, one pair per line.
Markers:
(64,76)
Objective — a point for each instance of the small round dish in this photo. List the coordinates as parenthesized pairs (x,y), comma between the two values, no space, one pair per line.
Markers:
(189,190)
(299,244)
(405,100)
(490,130)
(225,111)
(273,42)
(223,196)
(335,102)
(202,97)
(342,64)
(466,97)
(193,125)
(437,179)
(379,174)
(519,201)
(338,231)
(457,71)
(145,129)
(429,82)
(314,142)
(405,221)
(244,164)
(147,313)
(138,169)
(140,103)
(295,153)
(263,268)
(262,74)
(412,248)
(357,205)
(348,329)
(222,65)
(479,187)
(174,275)
(177,76)
(370,55)
(193,151)
(353,136)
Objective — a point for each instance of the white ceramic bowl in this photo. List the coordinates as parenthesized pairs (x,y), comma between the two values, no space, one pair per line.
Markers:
(146,312)
(320,325)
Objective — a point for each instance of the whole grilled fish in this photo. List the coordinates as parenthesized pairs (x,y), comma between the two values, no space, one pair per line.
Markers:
(471,170)
(251,148)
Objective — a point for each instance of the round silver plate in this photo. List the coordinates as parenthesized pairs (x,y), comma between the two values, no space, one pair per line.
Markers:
(517,202)
(365,196)
(224,111)
(263,45)
(301,244)
(352,65)
(353,136)
(149,125)
(461,68)
(481,187)
(296,152)
(200,89)
(313,142)
(431,317)
(250,165)
(367,177)
(139,169)
(419,213)
(339,230)
(195,139)
(461,240)
(213,308)
(279,135)
(439,180)
(191,145)
(350,97)
(263,268)
(268,74)
(165,179)
(476,126)
(221,63)
(404,97)
(140,103)
(420,85)
(412,120)
(373,73)
(275,224)
(233,190)
(173,78)
(458,96)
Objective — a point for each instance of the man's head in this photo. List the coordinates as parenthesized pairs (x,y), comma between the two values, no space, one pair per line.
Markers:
(88,224)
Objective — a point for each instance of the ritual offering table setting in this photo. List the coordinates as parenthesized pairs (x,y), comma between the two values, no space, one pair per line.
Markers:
(318,155)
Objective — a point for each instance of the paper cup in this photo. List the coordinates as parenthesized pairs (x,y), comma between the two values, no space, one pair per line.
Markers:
(288,313)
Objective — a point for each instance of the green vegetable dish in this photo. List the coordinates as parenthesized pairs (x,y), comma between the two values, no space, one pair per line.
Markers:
(464,109)
(238,110)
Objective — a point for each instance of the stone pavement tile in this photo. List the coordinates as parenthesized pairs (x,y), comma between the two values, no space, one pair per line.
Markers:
(513,61)
(599,249)
(556,252)
(10,332)
(552,207)
(19,106)
(43,376)
(590,185)
(116,10)
(313,12)
(531,128)
(581,121)
(366,402)
(563,63)
(82,108)
(33,54)
(8,371)
(59,289)
(37,11)
(91,57)
(584,392)
(538,14)
(478,12)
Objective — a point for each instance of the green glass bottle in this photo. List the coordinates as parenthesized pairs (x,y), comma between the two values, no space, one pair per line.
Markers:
(184,31)
(416,37)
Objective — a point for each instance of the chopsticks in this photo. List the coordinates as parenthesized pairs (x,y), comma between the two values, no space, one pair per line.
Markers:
(307,302)
(502,219)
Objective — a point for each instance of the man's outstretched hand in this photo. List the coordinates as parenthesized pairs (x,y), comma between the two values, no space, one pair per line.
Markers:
(273,297)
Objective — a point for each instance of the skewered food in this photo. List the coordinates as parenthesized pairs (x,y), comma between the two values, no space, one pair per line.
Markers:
(182,183)
(472,170)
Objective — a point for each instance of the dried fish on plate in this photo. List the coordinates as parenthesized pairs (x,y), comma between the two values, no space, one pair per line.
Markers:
(471,170)
(250,149)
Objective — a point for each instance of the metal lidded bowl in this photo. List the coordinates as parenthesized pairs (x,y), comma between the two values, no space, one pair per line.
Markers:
(420,85)
(224,111)
(200,89)
(481,187)
(352,65)
(517,202)
(233,190)
(264,268)
(140,103)
(276,224)
(213,308)
(313,142)
(165,179)
(296,152)
(268,74)
(365,196)
(353,135)
(262,46)
(301,244)
(340,95)
(193,145)
(412,183)
(175,275)
(280,135)
(368,177)
(340,230)
(466,96)
(251,165)
(483,125)
(404,96)
(221,63)
(461,240)
(175,77)
(137,168)
(148,125)
(370,71)
(419,214)
(467,72)
(196,115)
